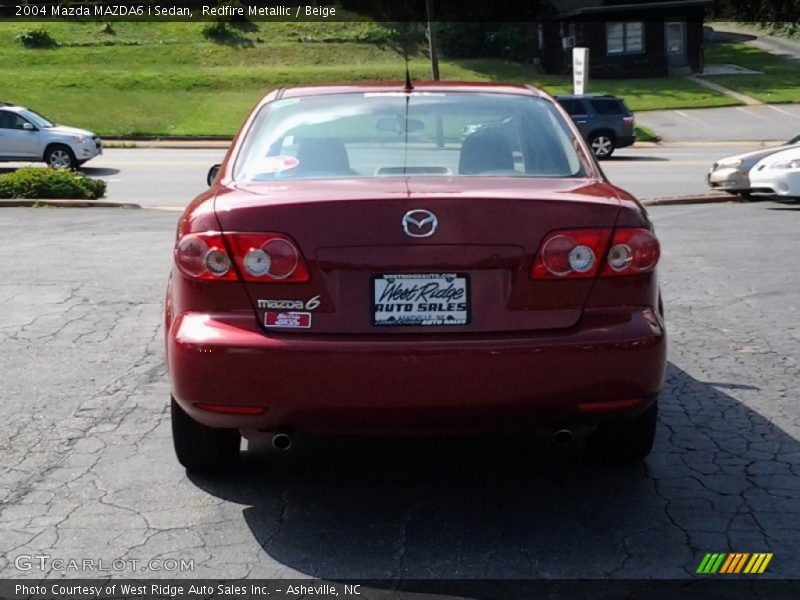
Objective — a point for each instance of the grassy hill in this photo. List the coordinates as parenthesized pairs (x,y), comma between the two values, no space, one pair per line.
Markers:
(168,79)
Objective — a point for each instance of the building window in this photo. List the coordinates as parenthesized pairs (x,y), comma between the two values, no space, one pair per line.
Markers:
(625,38)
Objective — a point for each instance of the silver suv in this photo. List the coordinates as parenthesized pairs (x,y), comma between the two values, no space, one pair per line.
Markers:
(28,136)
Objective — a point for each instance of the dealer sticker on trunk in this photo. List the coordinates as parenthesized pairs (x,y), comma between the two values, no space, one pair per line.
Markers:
(420,299)
(288,320)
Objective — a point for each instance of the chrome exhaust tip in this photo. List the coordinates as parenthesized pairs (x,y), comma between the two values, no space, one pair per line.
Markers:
(563,437)
(281,441)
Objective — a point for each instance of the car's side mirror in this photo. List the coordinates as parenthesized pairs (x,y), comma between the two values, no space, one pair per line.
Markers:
(28,127)
(212,174)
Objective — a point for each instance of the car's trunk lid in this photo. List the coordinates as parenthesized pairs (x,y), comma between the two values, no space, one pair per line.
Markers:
(351,233)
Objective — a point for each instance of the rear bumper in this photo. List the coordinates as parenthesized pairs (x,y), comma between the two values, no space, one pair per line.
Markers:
(413,385)
(624,141)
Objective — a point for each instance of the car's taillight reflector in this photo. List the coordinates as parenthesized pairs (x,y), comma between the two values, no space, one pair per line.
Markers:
(265,257)
(610,405)
(570,254)
(581,253)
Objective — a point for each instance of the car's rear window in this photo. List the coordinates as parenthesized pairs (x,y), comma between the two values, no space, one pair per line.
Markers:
(398,134)
(608,107)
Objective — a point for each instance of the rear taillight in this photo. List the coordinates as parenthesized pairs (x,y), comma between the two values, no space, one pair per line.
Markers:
(628,120)
(203,256)
(580,253)
(268,257)
(632,251)
(265,257)
(570,254)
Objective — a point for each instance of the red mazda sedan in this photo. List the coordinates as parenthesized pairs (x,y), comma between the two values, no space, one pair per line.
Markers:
(442,260)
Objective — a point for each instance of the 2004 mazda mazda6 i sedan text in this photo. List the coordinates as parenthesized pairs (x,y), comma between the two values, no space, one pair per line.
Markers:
(447,259)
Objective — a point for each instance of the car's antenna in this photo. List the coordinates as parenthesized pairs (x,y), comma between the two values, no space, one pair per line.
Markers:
(409,86)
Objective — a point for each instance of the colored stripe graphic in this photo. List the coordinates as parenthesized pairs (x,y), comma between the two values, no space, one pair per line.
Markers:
(731,560)
(711,563)
(701,568)
(741,562)
(734,563)
(759,562)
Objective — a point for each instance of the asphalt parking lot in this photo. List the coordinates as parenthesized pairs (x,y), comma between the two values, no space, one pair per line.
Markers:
(87,469)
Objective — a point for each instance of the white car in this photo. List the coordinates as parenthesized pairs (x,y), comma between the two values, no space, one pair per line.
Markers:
(777,174)
(732,173)
(28,136)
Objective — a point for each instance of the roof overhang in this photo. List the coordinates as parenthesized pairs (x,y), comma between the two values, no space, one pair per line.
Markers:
(639,6)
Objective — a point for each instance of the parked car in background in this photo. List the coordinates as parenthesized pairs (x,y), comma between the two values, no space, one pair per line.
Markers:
(732,173)
(342,277)
(605,121)
(28,136)
(778,174)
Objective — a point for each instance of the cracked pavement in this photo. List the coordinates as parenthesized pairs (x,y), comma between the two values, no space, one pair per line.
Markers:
(87,469)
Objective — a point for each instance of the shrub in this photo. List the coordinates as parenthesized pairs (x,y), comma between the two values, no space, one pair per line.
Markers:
(36,38)
(231,34)
(50,184)
(216,31)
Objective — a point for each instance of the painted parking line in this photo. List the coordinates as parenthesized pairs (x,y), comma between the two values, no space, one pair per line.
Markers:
(692,118)
(785,112)
(751,113)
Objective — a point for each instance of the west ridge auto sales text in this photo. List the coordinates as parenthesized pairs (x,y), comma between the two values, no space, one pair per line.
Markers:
(171,590)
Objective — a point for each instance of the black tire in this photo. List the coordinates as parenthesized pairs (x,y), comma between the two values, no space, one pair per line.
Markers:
(602,144)
(59,156)
(201,448)
(626,442)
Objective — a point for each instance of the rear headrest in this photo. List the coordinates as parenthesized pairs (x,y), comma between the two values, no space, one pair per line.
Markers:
(485,151)
(326,155)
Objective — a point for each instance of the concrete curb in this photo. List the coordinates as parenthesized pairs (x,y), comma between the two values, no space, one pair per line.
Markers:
(722,144)
(200,144)
(691,199)
(39,202)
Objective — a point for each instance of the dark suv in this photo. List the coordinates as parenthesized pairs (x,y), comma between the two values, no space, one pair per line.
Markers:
(605,121)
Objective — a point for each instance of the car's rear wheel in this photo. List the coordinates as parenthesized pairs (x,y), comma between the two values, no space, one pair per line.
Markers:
(602,145)
(202,448)
(625,442)
(59,156)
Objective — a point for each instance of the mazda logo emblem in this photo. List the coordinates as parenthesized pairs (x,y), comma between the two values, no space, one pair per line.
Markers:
(419,223)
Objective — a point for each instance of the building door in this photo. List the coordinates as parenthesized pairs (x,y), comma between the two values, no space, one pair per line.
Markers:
(675,39)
